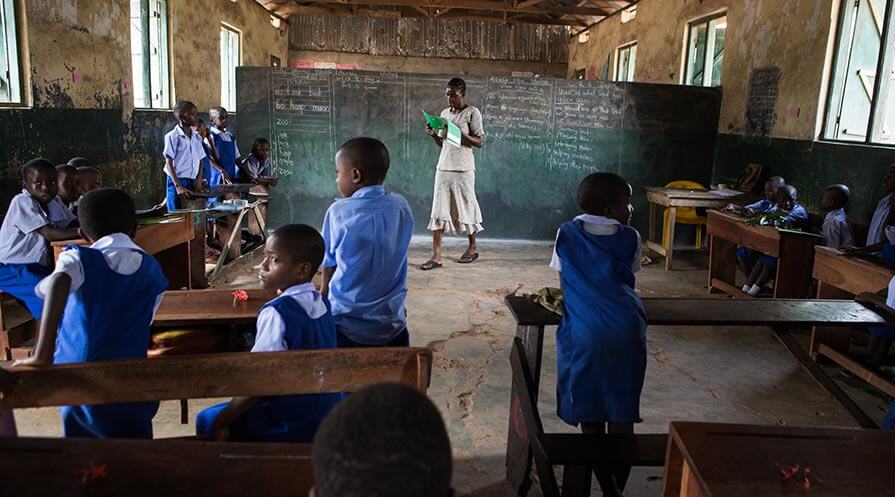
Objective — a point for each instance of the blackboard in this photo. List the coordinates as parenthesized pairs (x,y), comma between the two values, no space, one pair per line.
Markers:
(543,136)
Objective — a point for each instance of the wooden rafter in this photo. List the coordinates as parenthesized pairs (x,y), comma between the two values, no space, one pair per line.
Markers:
(487,5)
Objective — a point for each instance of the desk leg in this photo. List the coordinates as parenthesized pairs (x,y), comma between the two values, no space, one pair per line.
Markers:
(837,338)
(652,222)
(176,265)
(519,456)
(722,262)
(669,249)
(576,481)
(794,267)
(674,467)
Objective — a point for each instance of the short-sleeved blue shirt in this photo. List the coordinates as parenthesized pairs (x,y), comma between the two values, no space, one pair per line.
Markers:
(367,239)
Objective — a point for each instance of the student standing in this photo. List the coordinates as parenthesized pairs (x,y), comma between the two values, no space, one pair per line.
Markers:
(109,293)
(601,339)
(367,236)
(455,208)
(183,157)
(225,150)
(35,217)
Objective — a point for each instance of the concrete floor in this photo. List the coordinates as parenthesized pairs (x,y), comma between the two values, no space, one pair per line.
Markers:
(740,375)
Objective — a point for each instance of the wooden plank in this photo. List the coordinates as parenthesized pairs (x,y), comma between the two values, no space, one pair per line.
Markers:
(796,258)
(528,312)
(742,461)
(674,465)
(213,375)
(487,5)
(669,249)
(837,338)
(56,467)
(722,263)
(849,273)
(152,238)
(869,376)
(656,247)
(758,312)
(735,230)
(209,307)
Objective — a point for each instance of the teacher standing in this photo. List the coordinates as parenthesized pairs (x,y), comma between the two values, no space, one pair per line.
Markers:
(455,208)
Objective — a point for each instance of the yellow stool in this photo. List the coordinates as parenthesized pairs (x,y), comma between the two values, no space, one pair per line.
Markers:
(685,215)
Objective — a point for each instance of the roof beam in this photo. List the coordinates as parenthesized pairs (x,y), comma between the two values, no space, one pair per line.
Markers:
(491,5)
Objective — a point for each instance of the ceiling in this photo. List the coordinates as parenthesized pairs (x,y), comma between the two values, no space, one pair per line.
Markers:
(574,13)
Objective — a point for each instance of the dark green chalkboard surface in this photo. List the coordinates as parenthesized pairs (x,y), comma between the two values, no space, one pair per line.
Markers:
(543,136)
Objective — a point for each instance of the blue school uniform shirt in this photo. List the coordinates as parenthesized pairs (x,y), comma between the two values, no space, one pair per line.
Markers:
(186,152)
(107,316)
(299,319)
(228,152)
(835,229)
(601,339)
(798,216)
(878,221)
(256,168)
(20,242)
(762,205)
(367,240)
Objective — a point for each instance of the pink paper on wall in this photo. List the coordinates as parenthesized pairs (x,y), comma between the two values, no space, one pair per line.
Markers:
(77,77)
(302,64)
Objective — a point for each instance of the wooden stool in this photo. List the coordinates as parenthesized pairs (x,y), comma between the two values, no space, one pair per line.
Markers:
(15,322)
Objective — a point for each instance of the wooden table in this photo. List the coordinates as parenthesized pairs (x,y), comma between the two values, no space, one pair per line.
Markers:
(209,307)
(671,199)
(794,251)
(53,467)
(841,277)
(779,314)
(169,243)
(715,460)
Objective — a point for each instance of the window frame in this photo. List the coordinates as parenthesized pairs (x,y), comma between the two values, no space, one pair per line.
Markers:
(165,84)
(707,19)
(875,120)
(618,51)
(16,75)
(229,28)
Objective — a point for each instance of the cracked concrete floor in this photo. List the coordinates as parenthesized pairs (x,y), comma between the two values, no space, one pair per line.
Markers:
(726,374)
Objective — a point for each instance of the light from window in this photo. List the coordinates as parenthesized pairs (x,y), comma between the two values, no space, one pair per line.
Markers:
(705,51)
(629,14)
(10,84)
(229,62)
(851,114)
(625,62)
(149,54)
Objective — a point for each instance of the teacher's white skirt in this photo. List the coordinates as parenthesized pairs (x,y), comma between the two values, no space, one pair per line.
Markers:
(455,208)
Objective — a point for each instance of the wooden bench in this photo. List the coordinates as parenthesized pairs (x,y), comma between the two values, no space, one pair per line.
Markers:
(713,459)
(577,453)
(779,314)
(794,250)
(17,326)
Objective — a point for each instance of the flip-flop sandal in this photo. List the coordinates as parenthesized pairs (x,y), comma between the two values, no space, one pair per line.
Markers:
(430,264)
(467,258)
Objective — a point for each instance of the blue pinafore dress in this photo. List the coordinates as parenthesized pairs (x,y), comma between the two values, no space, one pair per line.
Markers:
(227,155)
(601,340)
(286,418)
(107,318)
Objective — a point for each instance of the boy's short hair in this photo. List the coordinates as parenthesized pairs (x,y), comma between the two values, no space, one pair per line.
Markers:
(37,164)
(367,154)
(258,142)
(216,111)
(302,243)
(843,194)
(65,168)
(601,190)
(181,106)
(386,440)
(78,162)
(105,211)
(789,190)
(776,180)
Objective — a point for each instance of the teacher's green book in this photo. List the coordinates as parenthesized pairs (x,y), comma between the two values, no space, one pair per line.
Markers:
(435,122)
(453,134)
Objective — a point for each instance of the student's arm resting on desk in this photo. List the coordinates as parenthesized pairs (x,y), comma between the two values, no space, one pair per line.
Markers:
(56,297)
(56,234)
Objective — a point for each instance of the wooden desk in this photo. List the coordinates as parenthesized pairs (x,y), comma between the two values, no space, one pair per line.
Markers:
(168,243)
(841,277)
(209,307)
(52,467)
(671,199)
(713,460)
(794,251)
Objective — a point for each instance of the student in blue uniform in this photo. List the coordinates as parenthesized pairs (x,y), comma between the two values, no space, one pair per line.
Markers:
(257,165)
(69,181)
(226,153)
(386,440)
(601,340)
(183,157)
(35,217)
(746,257)
(797,217)
(109,292)
(835,229)
(299,319)
(367,236)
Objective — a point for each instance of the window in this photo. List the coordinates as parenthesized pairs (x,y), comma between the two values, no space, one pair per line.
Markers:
(625,60)
(10,83)
(861,106)
(149,54)
(705,51)
(229,62)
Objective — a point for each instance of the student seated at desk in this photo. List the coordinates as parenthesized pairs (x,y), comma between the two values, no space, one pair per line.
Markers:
(69,182)
(746,257)
(367,237)
(35,217)
(883,216)
(797,217)
(256,167)
(299,319)
(601,339)
(109,292)
(386,440)
(91,177)
(835,228)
